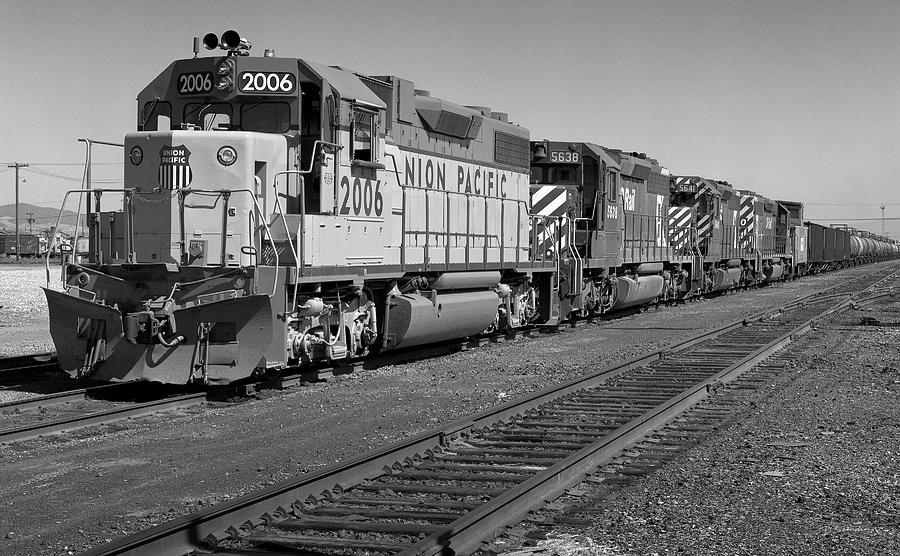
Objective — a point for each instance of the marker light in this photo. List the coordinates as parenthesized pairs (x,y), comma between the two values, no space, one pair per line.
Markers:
(136,155)
(227,156)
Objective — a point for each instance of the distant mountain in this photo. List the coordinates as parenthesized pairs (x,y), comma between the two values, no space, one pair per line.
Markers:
(44,217)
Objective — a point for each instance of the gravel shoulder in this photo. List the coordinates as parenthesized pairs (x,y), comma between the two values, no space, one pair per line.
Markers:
(77,490)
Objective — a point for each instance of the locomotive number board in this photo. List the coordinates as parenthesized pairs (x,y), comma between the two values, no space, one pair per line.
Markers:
(686,188)
(565,156)
(196,83)
(263,82)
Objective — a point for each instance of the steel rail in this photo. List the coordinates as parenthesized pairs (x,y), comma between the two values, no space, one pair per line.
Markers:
(217,523)
(67,396)
(99,417)
(18,362)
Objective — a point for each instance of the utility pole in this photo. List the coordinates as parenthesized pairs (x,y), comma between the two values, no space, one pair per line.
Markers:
(882,219)
(17,165)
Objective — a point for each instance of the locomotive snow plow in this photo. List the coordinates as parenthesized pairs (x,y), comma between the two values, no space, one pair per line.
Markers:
(206,333)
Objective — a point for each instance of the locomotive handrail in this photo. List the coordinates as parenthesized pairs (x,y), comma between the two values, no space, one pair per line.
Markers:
(298,252)
(126,191)
(221,192)
(86,178)
(519,204)
(317,144)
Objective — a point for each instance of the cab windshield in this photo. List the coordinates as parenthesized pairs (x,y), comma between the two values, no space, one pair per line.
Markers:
(265,117)
(208,115)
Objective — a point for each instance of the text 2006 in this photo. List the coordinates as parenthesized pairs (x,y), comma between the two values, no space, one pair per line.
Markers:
(362,198)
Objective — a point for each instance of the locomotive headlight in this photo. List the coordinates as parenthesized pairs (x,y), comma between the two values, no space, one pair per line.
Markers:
(136,155)
(226,67)
(224,84)
(227,156)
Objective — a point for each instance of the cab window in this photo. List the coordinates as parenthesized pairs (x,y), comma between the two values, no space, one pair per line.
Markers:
(156,116)
(362,132)
(208,115)
(611,186)
(266,117)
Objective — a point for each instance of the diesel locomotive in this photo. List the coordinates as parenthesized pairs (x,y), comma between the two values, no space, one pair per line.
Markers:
(278,212)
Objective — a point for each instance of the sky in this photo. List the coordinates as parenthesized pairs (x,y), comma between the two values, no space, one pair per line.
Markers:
(797,100)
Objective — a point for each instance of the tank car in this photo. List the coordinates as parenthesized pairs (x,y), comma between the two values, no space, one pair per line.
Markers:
(281,212)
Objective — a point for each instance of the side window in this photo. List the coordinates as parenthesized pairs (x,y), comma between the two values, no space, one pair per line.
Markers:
(156,116)
(362,136)
(612,186)
(551,175)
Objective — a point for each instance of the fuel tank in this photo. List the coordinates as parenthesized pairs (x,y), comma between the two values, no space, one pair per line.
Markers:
(90,334)
(414,320)
(649,268)
(631,292)
(723,278)
(465,280)
(773,272)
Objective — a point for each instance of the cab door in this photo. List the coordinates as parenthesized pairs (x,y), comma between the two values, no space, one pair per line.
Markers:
(608,241)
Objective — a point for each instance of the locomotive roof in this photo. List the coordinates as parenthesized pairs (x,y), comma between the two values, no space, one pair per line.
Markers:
(637,165)
(725,189)
(603,155)
(346,83)
(705,185)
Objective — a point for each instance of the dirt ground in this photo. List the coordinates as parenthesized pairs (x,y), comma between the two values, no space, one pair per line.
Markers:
(72,491)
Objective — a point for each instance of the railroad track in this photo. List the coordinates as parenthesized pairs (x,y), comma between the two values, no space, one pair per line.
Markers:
(453,487)
(579,505)
(76,409)
(22,369)
(102,404)
(16,362)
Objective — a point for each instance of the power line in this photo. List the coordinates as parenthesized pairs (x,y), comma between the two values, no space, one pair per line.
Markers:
(71,163)
(47,173)
(853,204)
(841,218)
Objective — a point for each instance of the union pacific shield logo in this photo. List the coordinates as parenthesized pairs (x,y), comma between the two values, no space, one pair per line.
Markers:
(174,167)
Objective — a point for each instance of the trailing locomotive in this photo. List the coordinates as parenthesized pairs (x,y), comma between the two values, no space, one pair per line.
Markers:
(279,212)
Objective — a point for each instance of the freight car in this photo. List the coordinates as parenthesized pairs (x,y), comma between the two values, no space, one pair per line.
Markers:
(280,212)
(841,246)
(29,245)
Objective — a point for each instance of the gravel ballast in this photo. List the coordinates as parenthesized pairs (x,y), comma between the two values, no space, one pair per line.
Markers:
(76,490)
